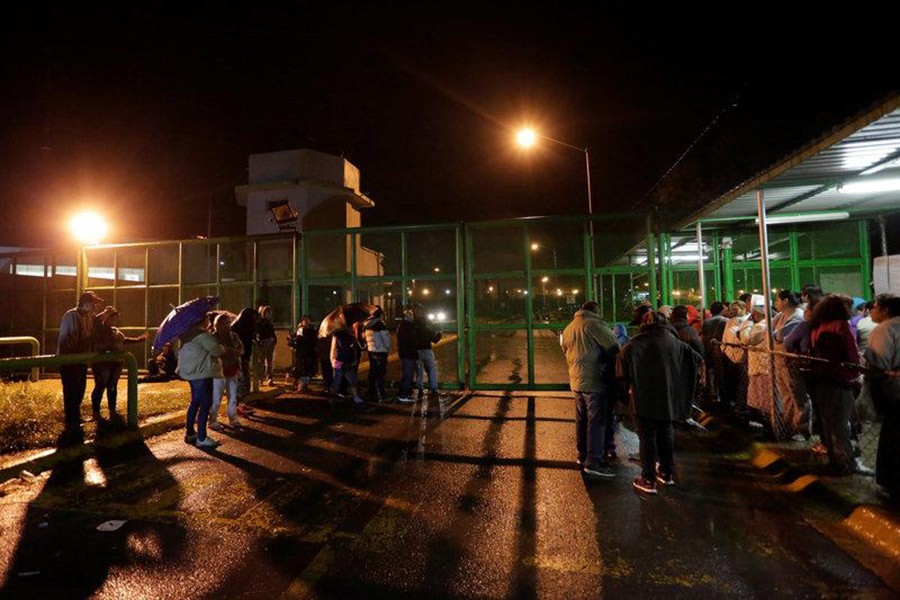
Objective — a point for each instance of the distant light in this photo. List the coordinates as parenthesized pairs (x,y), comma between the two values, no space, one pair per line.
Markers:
(874,186)
(525,292)
(88,227)
(559,292)
(222,263)
(437,269)
(442,316)
(574,292)
(431,316)
(809,217)
(425,291)
(526,137)
(490,288)
(545,279)
(535,246)
(410,292)
(334,292)
(447,292)
(389,294)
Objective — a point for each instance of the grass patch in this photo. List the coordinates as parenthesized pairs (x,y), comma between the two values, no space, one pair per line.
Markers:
(31,414)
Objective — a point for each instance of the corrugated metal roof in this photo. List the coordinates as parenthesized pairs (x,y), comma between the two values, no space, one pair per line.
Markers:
(807,180)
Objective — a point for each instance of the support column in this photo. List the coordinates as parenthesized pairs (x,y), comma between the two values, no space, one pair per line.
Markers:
(651,262)
(701,275)
(728,270)
(884,248)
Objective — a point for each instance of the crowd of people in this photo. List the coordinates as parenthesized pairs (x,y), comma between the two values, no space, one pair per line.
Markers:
(338,356)
(832,365)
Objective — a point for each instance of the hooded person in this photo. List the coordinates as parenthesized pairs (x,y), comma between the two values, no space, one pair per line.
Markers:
(199,362)
(685,330)
(245,327)
(409,355)
(591,348)
(378,346)
(661,373)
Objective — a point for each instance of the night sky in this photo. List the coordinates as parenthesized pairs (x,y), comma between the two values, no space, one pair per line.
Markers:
(149,117)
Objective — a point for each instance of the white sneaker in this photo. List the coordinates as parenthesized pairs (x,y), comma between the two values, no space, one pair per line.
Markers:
(405,400)
(216,426)
(207,443)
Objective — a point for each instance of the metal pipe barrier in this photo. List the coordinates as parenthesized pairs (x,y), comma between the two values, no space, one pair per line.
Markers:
(778,389)
(57,360)
(35,349)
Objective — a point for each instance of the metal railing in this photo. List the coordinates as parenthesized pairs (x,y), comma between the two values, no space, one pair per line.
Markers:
(57,360)
(35,349)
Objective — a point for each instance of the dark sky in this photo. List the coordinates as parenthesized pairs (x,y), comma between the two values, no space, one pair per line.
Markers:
(150,116)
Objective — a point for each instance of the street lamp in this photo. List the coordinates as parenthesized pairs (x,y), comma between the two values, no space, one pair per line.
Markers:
(528,137)
(88,228)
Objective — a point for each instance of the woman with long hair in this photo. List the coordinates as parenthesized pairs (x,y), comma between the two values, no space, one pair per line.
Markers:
(831,387)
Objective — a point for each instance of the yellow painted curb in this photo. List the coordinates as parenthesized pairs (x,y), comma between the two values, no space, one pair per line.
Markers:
(765,458)
(801,483)
(877,527)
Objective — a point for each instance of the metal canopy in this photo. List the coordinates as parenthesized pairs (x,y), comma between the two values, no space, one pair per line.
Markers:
(864,149)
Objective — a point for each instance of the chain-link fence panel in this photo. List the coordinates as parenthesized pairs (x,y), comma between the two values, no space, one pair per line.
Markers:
(820,413)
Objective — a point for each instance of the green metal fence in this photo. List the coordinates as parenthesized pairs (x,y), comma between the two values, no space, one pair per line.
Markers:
(500,291)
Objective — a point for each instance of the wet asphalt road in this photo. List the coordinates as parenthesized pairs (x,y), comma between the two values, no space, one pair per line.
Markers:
(477,497)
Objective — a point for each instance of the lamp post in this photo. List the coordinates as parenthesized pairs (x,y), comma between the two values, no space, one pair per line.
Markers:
(528,137)
(88,228)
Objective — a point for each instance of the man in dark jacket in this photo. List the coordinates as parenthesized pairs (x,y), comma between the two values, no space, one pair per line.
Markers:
(409,355)
(590,348)
(686,332)
(425,336)
(345,362)
(661,371)
(711,334)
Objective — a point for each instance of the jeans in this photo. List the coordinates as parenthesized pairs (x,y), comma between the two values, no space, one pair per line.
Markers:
(426,363)
(408,366)
(229,386)
(657,439)
(198,411)
(592,415)
(348,372)
(268,358)
(834,403)
(74,383)
(106,378)
(377,371)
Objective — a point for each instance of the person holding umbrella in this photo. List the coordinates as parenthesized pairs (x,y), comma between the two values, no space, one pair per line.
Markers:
(199,362)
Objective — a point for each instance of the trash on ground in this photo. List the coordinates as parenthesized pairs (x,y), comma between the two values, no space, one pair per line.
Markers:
(110,525)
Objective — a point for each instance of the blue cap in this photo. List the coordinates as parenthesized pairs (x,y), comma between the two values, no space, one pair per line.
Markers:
(857,302)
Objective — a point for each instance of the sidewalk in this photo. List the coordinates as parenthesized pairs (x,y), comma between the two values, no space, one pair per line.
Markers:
(847,509)
(40,459)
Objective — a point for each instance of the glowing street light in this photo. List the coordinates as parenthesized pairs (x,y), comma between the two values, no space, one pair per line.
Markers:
(88,228)
(526,137)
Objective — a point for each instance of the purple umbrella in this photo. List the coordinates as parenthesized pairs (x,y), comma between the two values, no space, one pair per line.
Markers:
(182,318)
(345,316)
